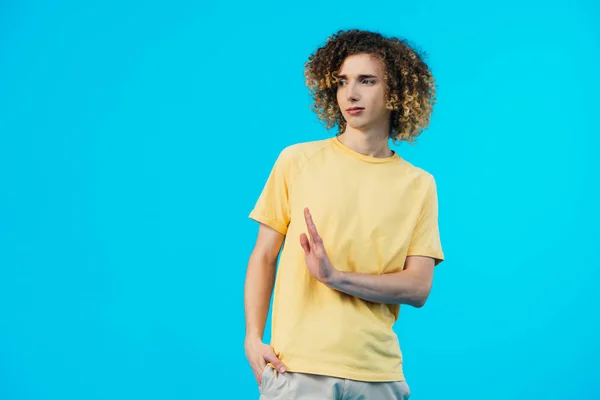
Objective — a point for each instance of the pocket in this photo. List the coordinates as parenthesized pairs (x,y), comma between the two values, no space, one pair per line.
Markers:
(263,378)
(405,390)
(401,390)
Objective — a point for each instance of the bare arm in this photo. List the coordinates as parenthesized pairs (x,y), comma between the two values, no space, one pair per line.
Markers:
(260,277)
(410,286)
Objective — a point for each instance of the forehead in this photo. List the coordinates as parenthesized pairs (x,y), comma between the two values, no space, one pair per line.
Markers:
(361,64)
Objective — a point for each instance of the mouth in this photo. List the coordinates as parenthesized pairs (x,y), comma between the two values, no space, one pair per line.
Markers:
(354,110)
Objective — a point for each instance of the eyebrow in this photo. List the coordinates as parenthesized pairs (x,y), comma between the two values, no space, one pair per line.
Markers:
(359,77)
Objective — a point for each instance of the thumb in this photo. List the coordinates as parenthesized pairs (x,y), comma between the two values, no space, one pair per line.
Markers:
(272,358)
(304,243)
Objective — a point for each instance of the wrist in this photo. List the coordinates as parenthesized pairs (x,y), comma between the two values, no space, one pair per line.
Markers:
(253,336)
(335,278)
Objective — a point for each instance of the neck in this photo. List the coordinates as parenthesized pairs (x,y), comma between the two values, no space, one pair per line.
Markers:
(373,143)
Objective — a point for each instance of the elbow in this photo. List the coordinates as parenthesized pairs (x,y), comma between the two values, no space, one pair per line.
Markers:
(413,301)
(420,298)
(419,302)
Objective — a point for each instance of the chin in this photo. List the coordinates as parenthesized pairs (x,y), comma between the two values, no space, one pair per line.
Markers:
(358,126)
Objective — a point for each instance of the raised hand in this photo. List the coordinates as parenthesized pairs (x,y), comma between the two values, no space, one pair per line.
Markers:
(317,261)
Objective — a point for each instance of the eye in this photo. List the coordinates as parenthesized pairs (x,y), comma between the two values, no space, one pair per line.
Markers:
(340,83)
(369,80)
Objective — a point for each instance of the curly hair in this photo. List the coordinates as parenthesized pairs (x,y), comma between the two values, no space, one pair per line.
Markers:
(410,86)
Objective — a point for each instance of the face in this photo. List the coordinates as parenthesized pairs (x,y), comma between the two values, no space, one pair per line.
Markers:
(361,84)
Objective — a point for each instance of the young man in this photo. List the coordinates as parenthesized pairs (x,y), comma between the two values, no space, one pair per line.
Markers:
(360,225)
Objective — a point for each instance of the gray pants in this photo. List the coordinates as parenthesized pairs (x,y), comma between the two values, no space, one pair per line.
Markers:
(299,386)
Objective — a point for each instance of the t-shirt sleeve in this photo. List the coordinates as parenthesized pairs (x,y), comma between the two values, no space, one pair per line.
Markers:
(273,205)
(425,239)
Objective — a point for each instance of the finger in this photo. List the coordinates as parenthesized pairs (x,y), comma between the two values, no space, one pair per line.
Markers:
(304,243)
(312,229)
(272,358)
(259,371)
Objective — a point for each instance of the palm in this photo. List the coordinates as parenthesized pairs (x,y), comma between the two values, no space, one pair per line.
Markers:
(317,264)
(317,261)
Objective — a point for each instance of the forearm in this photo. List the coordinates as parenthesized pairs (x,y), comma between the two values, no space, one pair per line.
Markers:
(393,288)
(260,277)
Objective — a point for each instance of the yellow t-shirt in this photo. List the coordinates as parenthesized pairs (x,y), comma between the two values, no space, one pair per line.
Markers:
(371,213)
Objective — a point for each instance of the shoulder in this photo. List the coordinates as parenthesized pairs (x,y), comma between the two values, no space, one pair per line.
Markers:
(415,171)
(298,153)
(304,149)
(421,179)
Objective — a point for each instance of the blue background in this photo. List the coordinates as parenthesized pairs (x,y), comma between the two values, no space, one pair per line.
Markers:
(135,138)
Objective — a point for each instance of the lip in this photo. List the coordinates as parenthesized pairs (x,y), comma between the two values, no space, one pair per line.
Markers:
(354,110)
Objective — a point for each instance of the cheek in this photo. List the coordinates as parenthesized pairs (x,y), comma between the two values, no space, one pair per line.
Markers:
(339,99)
(381,96)
(376,101)
(381,99)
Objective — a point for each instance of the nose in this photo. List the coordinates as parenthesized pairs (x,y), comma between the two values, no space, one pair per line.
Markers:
(352,93)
